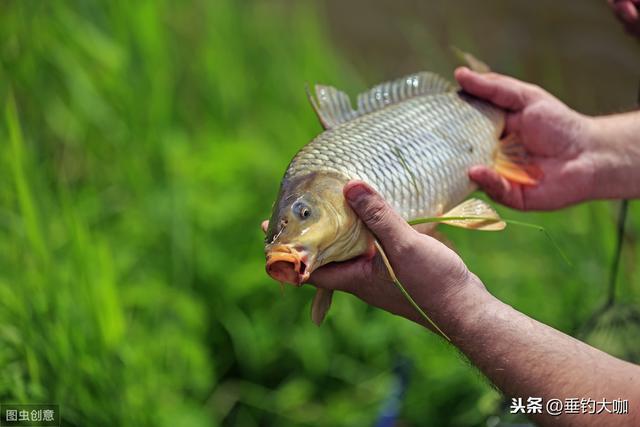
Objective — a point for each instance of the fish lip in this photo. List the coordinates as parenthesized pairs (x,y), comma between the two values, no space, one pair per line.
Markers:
(296,255)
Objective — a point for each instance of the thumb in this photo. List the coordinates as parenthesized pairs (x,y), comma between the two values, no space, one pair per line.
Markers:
(377,215)
(503,91)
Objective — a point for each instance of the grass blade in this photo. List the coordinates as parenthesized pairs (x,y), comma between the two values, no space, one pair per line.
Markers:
(397,282)
(427,220)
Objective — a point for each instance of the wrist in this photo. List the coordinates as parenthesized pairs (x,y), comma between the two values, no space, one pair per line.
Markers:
(459,308)
(614,150)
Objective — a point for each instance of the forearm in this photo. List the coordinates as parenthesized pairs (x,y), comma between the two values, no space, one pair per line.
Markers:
(525,358)
(615,153)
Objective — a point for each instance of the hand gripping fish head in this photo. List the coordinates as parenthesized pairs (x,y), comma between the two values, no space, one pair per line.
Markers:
(312,225)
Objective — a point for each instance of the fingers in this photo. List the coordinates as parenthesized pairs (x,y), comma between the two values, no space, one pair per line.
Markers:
(264,226)
(628,12)
(503,91)
(626,9)
(340,276)
(497,187)
(377,215)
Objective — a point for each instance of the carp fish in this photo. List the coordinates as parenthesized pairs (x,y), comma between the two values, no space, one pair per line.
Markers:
(412,139)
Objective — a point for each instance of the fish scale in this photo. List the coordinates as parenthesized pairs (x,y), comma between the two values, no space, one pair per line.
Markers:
(439,136)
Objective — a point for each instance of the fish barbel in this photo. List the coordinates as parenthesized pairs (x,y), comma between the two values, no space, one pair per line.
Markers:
(413,140)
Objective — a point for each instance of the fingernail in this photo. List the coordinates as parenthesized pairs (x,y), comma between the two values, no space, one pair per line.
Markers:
(462,70)
(357,191)
(473,170)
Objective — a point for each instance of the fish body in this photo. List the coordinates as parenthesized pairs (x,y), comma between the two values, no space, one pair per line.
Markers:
(415,153)
(412,139)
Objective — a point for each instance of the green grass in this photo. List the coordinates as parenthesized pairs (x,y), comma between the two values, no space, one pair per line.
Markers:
(141,145)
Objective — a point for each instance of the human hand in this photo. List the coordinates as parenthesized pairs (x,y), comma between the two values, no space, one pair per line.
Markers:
(628,13)
(555,136)
(431,272)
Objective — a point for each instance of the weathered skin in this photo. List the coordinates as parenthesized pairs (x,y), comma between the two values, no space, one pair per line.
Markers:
(416,153)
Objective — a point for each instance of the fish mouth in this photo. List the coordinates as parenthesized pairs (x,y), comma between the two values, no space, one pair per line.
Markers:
(288,264)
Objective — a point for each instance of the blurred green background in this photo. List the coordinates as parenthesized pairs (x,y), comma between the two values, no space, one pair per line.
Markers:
(142,143)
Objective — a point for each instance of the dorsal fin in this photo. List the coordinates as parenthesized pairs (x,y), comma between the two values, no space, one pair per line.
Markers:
(331,105)
(471,61)
(334,106)
(394,91)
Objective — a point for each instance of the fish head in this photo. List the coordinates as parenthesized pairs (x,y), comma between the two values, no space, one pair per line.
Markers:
(312,225)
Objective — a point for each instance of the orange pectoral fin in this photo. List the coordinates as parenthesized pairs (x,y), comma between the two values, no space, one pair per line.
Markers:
(512,162)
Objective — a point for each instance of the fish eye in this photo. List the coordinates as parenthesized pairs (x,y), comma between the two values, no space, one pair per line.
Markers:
(301,210)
